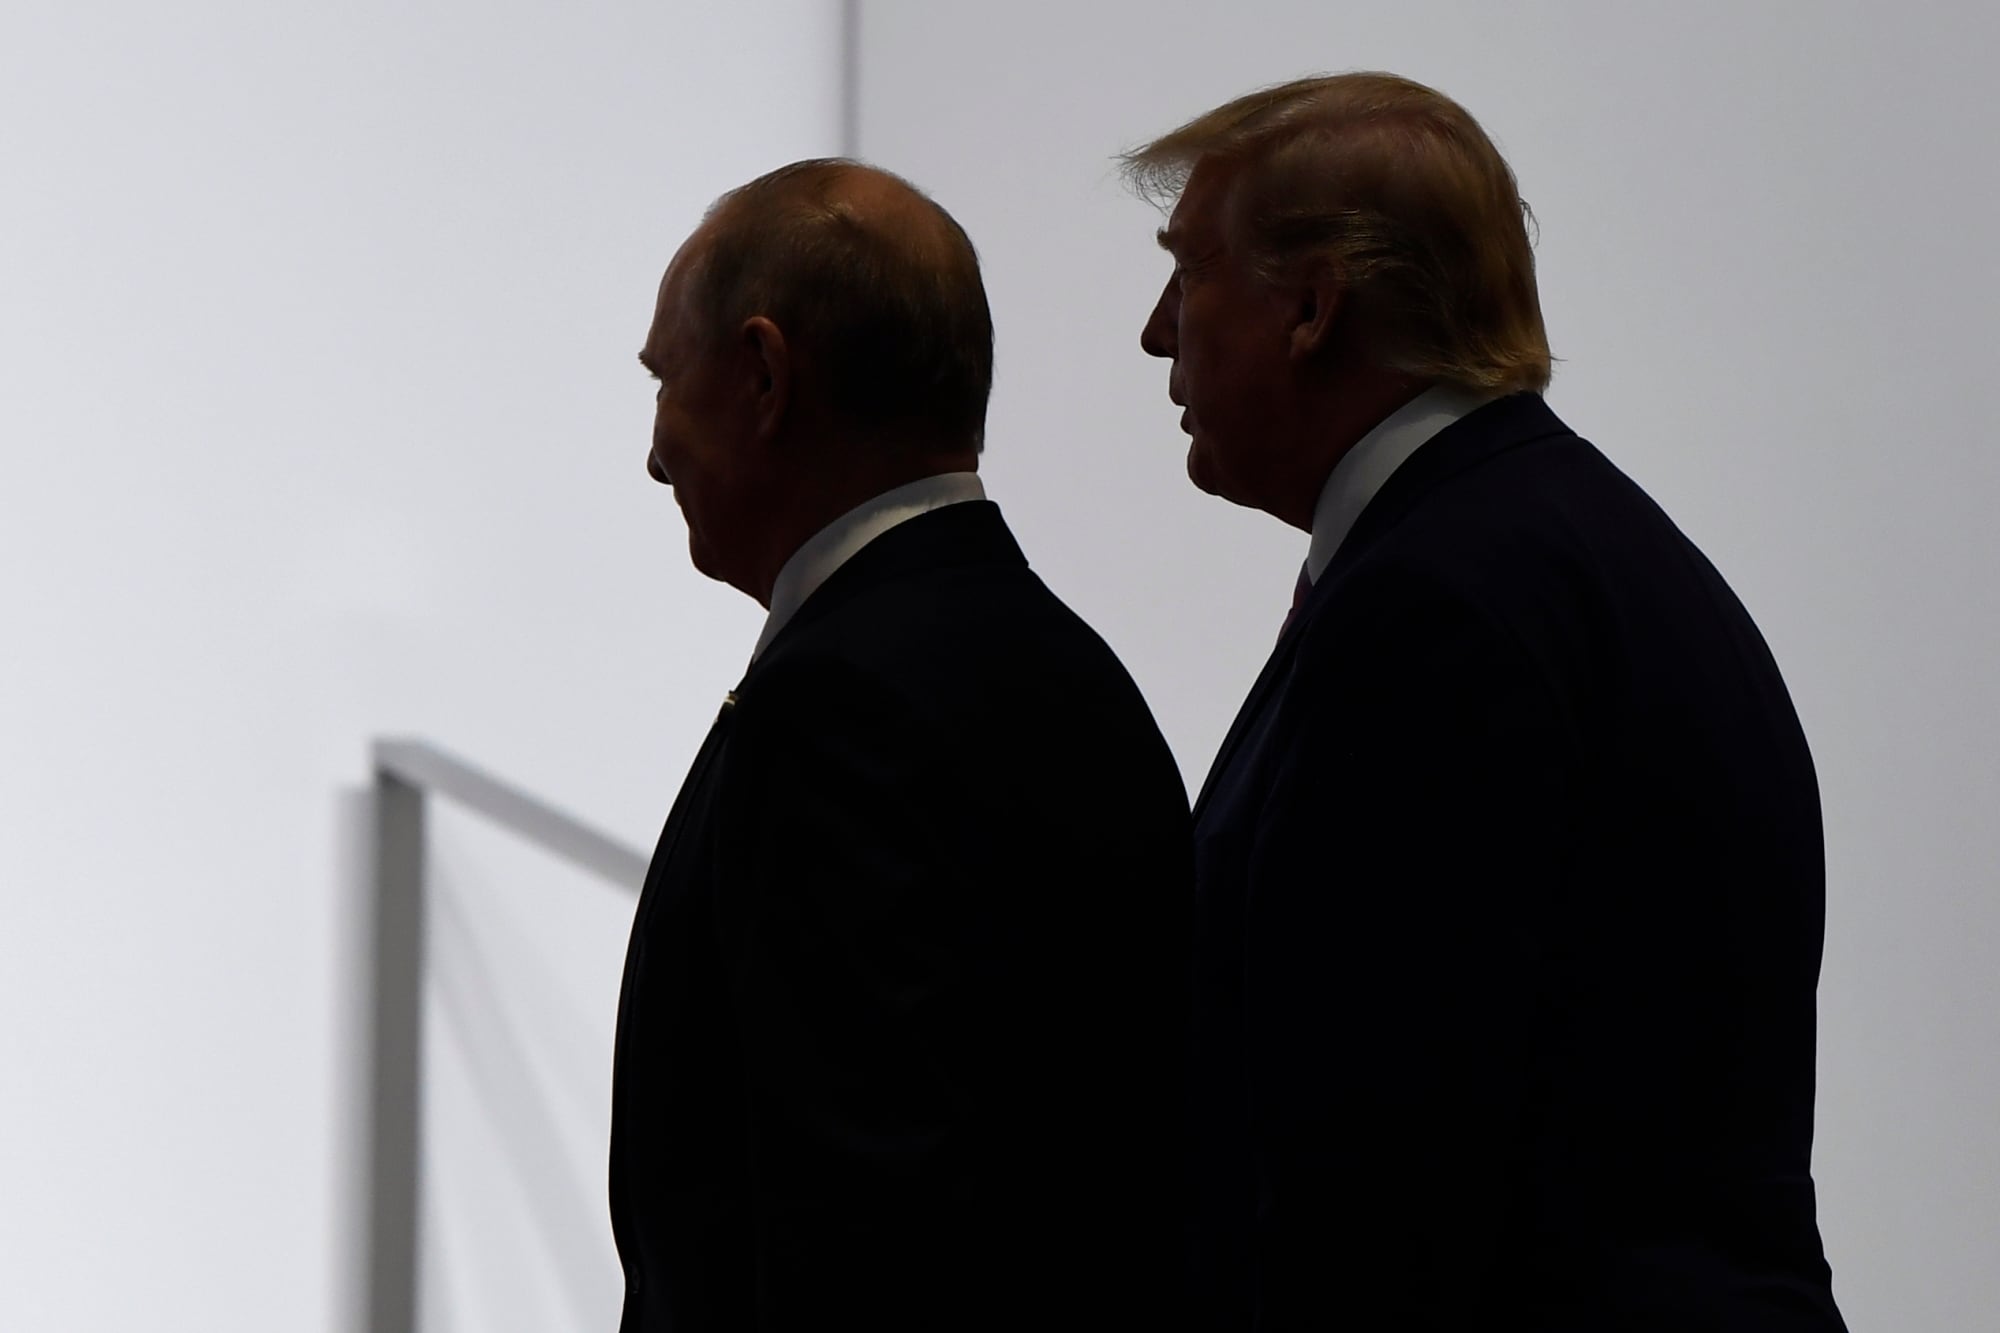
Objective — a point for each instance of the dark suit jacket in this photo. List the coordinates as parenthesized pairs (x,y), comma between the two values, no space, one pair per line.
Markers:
(901,1042)
(1509,909)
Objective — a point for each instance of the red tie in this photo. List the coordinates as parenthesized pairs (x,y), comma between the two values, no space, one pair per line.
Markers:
(1300,591)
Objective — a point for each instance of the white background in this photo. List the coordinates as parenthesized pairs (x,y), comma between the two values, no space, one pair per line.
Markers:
(318,420)
(1768,261)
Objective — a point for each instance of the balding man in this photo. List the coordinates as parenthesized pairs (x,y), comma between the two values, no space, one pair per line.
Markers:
(899,1046)
(1509,873)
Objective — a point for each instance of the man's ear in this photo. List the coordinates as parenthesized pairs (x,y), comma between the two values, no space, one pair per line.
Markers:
(1318,298)
(769,361)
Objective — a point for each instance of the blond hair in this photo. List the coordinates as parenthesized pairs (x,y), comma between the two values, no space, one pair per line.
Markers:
(1397,188)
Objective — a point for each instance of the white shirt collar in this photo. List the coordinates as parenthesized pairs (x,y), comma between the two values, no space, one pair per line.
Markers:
(836,543)
(1363,469)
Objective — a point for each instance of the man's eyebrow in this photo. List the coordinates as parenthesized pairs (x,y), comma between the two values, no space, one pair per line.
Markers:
(647,364)
(1167,239)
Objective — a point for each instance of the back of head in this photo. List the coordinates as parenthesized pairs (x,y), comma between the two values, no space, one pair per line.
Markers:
(876,286)
(1396,187)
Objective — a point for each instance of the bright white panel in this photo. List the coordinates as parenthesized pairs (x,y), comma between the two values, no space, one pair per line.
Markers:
(319,419)
(525,957)
(1767,258)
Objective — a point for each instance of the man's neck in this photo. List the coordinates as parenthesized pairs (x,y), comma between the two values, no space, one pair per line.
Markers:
(1346,410)
(1366,466)
(823,555)
(824,497)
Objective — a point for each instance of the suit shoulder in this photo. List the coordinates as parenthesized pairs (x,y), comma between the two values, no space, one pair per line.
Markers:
(1554,512)
(957,624)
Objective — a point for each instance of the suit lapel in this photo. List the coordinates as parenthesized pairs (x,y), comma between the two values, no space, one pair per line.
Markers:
(691,788)
(685,801)
(1274,669)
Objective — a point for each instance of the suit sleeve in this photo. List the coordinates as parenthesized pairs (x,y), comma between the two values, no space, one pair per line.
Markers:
(1397,946)
(843,945)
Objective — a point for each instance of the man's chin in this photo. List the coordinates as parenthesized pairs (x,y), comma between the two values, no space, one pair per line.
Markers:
(1212,480)
(1201,472)
(702,558)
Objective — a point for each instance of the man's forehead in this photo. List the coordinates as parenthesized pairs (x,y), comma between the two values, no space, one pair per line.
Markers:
(1203,198)
(681,262)
(660,328)
(672,293)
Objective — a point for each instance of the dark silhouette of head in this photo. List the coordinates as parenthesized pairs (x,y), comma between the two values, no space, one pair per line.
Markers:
(822,337)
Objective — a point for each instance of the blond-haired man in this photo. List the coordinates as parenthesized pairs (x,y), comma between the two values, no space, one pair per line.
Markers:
(1510,878)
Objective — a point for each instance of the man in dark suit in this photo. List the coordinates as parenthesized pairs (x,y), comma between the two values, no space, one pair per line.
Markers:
(1509,872)
(900,1045)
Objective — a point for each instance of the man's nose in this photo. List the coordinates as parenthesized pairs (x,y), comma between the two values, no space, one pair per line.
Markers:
(1158,337)
(655,470)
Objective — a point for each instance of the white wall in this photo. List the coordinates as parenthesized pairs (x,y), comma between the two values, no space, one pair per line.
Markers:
(1768,261)
(319,419)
